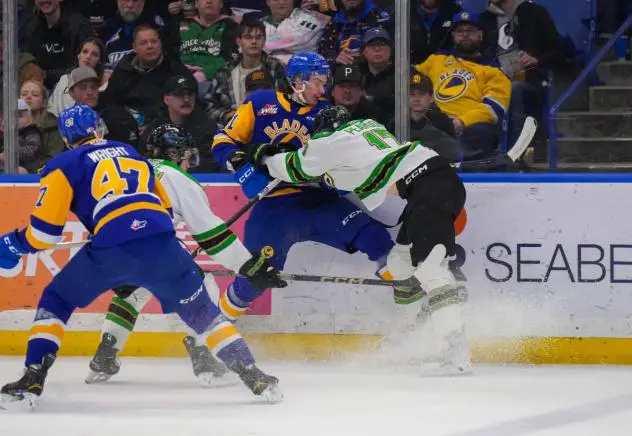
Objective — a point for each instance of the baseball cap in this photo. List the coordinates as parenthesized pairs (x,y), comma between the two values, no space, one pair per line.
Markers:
(180,84)
(466,17)
(80,74)
(348,73)
(376,33)
(259,79)
(421,82)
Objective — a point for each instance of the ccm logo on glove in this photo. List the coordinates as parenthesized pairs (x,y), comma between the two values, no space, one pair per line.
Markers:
(247,173)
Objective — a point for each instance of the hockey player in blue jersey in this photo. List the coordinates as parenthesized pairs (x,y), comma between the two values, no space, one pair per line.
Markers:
(296,213)
(115,194)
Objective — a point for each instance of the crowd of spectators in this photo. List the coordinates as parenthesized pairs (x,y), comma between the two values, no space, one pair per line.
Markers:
(141,63)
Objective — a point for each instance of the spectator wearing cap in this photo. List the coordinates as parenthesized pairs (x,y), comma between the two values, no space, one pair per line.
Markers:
(91,55)
(207,40)
(137,82)
(227,90)
(118,31)
(36,96)
(83,88)
(292,30)
(523,37)
(181,107)
(470,88)
(348,91)
(427,123)
(341,40)
(53,36)
(258,80)
(379,73)
(31,152)
(430,25)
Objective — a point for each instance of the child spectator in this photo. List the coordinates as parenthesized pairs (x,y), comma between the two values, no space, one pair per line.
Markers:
(35,95)
(469,88)
(207,40)
(91,54)
(227,90)
(53,36)
(340,43)
(290,30)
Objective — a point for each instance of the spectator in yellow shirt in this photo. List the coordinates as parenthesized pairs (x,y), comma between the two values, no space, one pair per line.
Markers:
(469,88)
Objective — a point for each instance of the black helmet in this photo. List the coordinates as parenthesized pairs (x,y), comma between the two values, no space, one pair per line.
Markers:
(174,143)
(331,118)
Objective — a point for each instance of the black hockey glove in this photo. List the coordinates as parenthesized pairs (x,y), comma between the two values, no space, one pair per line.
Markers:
(261,274)
(237,160)
(258,152)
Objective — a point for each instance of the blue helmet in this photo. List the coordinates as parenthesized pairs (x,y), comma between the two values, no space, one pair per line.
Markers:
(78,123)
(305,65)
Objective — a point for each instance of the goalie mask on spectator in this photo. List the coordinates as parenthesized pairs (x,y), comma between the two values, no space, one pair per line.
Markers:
(173,143)
(308,75)
(330,119)
(79,124)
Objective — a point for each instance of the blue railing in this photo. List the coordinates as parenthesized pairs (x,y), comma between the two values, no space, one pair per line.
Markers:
(554,110)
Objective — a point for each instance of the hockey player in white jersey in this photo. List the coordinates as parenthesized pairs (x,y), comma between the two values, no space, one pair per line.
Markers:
(363,157)
(172,151)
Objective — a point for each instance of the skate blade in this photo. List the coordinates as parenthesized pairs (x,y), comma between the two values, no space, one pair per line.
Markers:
(209,380)
(25,403)
(97,377)
(272,394)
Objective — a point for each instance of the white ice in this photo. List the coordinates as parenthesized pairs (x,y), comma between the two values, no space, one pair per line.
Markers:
(160,397)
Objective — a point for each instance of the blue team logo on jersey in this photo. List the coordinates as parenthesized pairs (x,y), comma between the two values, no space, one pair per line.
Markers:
(453,85)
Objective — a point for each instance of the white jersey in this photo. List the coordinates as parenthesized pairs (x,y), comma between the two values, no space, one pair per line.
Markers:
(362,156)
(190,205)
(299,32)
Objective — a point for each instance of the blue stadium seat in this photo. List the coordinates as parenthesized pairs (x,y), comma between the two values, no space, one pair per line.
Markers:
(575,23)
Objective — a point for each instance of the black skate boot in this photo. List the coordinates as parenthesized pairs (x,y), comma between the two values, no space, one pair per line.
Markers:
(105,363)
(259,382)
(23,394)
(205,366)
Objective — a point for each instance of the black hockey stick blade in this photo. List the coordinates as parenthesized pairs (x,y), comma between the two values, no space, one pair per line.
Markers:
(515,152)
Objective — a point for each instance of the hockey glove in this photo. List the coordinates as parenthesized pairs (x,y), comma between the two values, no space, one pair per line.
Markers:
(261,274)
(252,181)
(11,250)
(258,152)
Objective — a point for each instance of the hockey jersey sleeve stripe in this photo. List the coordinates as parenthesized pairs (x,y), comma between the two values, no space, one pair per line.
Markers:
(40,240)
(45,227)
(294,168)
(497,110)
(383,172)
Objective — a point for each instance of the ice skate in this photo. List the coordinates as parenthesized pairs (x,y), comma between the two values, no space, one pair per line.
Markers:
(23,394)
(205,367)
(105,362)
(260,383)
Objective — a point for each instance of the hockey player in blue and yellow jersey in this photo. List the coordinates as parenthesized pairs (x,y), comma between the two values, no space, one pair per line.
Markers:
(115,194)
(298,213)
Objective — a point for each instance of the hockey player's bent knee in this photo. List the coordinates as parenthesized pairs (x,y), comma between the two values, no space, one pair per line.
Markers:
(373,240)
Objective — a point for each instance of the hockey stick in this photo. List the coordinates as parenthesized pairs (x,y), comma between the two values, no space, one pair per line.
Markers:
(246,207)
(526,136)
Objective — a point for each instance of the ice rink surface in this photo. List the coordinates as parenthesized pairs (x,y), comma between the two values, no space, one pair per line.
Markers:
(160,397)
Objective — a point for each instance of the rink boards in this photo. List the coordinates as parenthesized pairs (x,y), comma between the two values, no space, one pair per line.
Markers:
(547,261)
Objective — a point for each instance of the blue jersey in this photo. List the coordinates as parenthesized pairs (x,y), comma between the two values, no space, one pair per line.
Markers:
(108,186)
(265,117)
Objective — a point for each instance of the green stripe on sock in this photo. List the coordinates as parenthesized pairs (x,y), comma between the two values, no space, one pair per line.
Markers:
(119,321)
(125,305)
